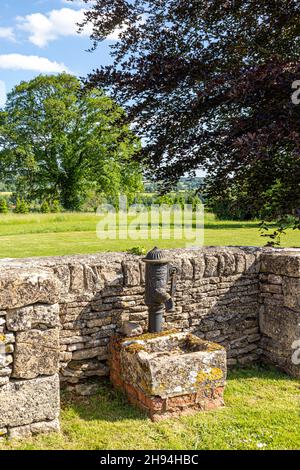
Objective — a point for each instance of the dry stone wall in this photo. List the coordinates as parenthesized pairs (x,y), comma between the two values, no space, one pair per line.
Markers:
(58,314)
(280,310)
(29,352)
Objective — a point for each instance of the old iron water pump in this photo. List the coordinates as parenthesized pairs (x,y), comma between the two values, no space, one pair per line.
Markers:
(157,299)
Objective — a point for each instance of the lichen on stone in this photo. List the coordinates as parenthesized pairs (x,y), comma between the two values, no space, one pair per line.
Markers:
(147,336)
(214,374)
(193,343)
(134,348)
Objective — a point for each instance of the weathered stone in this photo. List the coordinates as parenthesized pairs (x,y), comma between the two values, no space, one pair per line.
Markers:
(22,432)
(172,365)
(5,360)
(8,338)
(77,278)
(130,328)
(285,263)
(211,266)
(199,266)
(112,273)
(187,269)
(26,401)
(85,390)
(90,353)
(273,279)
(227,265)
(169,374)
(132,273)
(5,371)
(291,292)
(63,274)
(92,278)
(283,326)
(36,353)
(27,286)
(45,427)
(42,316)
(3,381)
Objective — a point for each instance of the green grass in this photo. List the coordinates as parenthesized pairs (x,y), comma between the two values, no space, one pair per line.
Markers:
(70,233)
(262,412)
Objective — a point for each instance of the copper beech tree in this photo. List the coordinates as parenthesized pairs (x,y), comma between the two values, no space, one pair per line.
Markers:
(208,84)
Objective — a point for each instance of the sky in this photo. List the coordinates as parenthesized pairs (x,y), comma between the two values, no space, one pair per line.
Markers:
(40,36)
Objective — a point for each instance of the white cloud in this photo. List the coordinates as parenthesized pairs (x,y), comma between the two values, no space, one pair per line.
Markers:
(48,27)
(30,62)
(7,33)
(44,28)
(76,3)
(2,93)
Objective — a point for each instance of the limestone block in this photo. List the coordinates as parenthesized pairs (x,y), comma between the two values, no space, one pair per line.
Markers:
(130,328)
(22,432)
(63,274)
(111,273)
(211,266)
(42,316)
(285,263)
(36,353)
(187,269)
(77,283)
(291,292)
(227,264)
(90,353)
(92,278)
(199,266)
(6,338)
(240,263)
(27,401)
(282,325)
(5,371)
(21,287)
(252,263)
(172,365)
(132,273)
(3,381)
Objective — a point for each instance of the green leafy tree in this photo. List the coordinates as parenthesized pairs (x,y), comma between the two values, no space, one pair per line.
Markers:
(56,140)
(211,85)
(45,208)
(3,206)
(55,206)
(21,207)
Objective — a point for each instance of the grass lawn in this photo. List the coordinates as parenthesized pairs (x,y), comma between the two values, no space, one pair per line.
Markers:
(70,233)
(262,412)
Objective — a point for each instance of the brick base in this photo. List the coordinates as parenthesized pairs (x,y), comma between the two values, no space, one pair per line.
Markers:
(158,408)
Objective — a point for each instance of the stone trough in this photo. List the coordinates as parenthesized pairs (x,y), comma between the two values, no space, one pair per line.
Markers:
(170,373)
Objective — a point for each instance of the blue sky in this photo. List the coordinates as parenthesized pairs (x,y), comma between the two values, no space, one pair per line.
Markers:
(39,36)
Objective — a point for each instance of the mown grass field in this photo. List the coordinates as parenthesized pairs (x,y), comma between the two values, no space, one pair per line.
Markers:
(70,233)
(262,412)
